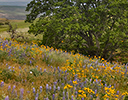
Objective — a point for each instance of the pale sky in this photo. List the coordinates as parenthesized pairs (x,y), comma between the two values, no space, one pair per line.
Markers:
(15,0)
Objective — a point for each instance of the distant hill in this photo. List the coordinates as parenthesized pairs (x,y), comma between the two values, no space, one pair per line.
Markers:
(13,12)
(13,3)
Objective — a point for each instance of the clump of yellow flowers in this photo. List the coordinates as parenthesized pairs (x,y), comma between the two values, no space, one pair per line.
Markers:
(68,86)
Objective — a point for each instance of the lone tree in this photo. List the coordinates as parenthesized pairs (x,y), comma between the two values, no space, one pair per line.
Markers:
(92,27)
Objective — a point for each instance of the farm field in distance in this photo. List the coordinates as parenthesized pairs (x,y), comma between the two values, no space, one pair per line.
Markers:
(13,12)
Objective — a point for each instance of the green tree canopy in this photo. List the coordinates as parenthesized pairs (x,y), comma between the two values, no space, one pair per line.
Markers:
(93,27)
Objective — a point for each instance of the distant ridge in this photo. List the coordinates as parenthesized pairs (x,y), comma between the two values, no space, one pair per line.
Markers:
(14,3)
(13,12)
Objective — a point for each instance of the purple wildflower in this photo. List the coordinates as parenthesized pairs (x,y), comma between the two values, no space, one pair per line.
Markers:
(21,93)
(82,98)
(117,93)
(9,87)
(6,98)
(34,91)
(58,88)
(53,97)
(13,88)
(72,97)
(63,95)
(37,95)
(2,84)
(44,70)
(40,89)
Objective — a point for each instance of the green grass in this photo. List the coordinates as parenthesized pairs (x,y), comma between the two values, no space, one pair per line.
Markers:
(14,23)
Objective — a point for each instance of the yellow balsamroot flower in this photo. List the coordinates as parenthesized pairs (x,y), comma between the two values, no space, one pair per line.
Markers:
(75,82)
(84,95)
(102,59)
(125,93)
(79,95)
(65,87)
(68,86)
(80,91)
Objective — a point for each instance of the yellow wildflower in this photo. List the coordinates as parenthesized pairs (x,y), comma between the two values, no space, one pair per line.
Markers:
(75,82)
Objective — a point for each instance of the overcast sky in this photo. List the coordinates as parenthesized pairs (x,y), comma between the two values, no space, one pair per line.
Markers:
(15,0)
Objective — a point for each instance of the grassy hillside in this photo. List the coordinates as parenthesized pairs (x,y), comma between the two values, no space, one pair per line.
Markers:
(30,72)
(18,23)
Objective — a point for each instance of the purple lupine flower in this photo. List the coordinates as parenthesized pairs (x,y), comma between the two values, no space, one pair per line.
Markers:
(62,84)
(91,96)
(117,93)
(50,88)
(21,93)
(47,98)
(36,98)
(58,68)
(10,44)
(67,94)
(51,60)
(82,98)
(51,67)
(53,97)
(72,97)
(19,67)
(126,70)
(34,90)
(41,69)
(25,69)
(95,91)
(54,69)
(109,86)
(54,88)
(13,88)
(16,93)
(44,70)
(30,62)
(85,82)
(6,98)
(65,71)
(46,88)
(40,89)
(84,66)
(32,83)
(58,88)
(2,84)
(55,83)
(65,78)
(10,51)
(36,66)
(63,95)
(96,81)
(82,85)
(37,95)
(9,87)
(76,93)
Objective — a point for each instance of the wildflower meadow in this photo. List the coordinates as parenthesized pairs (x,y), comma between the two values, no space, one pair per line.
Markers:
(32,72)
